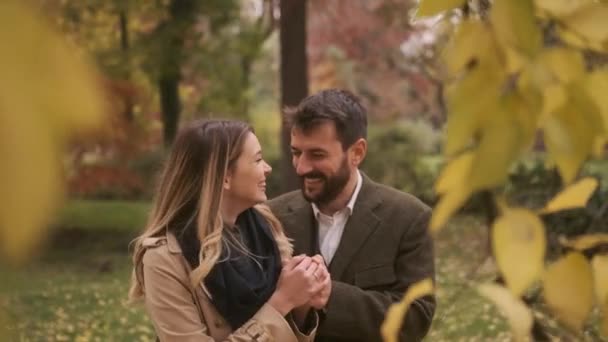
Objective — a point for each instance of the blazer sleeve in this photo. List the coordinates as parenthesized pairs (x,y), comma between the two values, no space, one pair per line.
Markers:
(176,317)
(357,314)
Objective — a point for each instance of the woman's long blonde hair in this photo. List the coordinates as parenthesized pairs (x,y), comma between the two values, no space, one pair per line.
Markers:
(191,187)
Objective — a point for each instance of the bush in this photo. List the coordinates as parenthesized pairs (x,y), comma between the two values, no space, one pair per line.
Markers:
(401,156)
(117,179)
(532,184)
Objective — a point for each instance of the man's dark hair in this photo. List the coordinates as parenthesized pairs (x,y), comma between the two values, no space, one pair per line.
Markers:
(339,106)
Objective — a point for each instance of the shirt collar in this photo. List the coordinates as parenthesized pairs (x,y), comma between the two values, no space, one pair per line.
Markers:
(351,203)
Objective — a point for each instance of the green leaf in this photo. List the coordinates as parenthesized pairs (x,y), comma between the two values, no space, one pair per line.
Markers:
(429,8)
(519,245)
(568,289)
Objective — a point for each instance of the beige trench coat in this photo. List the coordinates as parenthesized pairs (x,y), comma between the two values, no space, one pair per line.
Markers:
(183,313)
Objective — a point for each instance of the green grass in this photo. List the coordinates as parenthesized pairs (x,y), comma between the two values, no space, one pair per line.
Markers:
(76,296)
(103,215)
(76,289)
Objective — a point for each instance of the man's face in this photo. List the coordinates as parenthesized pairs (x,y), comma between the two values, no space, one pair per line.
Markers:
(320,162)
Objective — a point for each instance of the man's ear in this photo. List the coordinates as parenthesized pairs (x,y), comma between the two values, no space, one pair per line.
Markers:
(358,151)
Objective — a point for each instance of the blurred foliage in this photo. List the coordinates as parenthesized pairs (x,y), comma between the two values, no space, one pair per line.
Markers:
(414,171)
(532,183)
(43,104)
(513,69)
(98,215)
(206,49)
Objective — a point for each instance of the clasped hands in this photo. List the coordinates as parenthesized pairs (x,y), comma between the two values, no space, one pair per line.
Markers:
(304,283)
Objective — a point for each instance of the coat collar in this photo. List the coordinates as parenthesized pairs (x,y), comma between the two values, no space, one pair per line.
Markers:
(172,243)
(360,225)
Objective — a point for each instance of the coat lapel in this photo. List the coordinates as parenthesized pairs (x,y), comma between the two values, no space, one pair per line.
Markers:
(359,226)
(301,227)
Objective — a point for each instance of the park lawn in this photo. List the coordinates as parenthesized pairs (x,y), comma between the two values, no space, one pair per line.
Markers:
(76,290)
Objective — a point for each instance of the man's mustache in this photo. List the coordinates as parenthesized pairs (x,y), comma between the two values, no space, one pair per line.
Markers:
(313,174)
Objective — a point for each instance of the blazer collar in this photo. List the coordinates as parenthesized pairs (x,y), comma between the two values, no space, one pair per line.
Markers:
(360,225)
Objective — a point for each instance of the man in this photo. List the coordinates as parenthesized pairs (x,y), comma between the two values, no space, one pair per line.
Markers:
(374,238)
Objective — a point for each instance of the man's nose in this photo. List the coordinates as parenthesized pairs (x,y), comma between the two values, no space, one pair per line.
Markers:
(302,165)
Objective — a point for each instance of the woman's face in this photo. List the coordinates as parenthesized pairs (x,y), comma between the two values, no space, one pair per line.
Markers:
(246,182)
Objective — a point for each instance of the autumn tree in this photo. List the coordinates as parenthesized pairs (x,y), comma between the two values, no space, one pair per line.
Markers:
(512,69)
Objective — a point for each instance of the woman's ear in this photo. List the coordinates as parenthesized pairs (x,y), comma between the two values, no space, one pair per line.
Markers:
(227,181)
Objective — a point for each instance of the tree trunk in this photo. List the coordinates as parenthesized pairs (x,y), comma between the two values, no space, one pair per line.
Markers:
(294,77)
(168,87)
(181,18)
(124,47)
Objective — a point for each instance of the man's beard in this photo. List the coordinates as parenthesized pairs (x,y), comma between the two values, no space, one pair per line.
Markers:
(331,187)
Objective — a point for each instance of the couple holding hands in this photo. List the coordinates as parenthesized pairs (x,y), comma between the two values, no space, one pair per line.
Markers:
(217,261)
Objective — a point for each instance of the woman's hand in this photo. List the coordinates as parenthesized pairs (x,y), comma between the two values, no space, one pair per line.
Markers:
(319,300)
(297,284)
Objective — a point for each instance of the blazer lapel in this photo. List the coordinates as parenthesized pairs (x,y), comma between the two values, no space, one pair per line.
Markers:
(301,227)
(359,226)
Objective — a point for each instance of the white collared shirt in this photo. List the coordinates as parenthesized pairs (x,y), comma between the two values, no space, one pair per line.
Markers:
(332,227)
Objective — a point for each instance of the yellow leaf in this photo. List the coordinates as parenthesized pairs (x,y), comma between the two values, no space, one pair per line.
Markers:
(396,312)
(454,173)
(576,40)
(599,263)
(567,65)
(599,146)
(604,327)
(554,97)
(568,287)
(504,134)
(46,92)
(447,206)
(597,88)
(574,196)
(587,241)
(519,244)
(472,40)
(429,8)
(573,129)
(469,102)
(570,134)
(561,8)
(515,26)
(517,313)
(590,22)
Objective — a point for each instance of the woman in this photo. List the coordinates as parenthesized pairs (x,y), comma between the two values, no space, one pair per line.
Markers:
(214,265)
